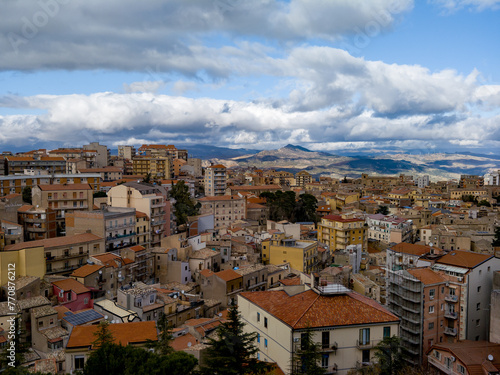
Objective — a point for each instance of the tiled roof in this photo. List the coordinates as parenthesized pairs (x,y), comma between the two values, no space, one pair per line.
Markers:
(137,248)
(56,242)
(42,311)
(25,208)
(28,303)
(203,254)
(108,259)
(291,281)
(141,214)
(409,248)
(61,311)
(310,308)
(123,333)
(426,275)
(217,166)
(71,284)
(53,187)
(221,198)
(206,273)
(340,218)
(86,270)
(183,342)
(228,275)
(258,187)
(467,259)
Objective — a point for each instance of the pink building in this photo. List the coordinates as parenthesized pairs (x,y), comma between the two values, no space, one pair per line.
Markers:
(72,294)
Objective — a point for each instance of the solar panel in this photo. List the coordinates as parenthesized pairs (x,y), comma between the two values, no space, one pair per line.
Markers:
(82,317)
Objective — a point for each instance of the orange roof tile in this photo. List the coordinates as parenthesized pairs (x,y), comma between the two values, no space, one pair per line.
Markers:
(228,275)
(410,248)
(86,270)
(217,166)
(108,259)
(207,273)
(220,198)
(61,310)
(71,284)
(25,208)
(309,308)
(291,281)
(426,275)
(137,248)
(340,218)
(467,259)
(141,214)
(182,342)
(123,333)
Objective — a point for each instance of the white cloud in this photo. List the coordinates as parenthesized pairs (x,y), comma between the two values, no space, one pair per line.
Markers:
(144,86)
(479,5)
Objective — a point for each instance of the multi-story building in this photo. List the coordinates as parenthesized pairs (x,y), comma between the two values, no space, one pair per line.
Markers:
(159,167)
(38,223)
(340,231)
(163,150)
(225,208)
(18,164)
(478,193)
(471,181)
(195,163)
(107,173)
(117,225)
(143,262)
(423,181)
(63,254)
(492,178)
(141,299)
(152,200)
(302,178)
(28,258)
(389,229)
(16,184)
(428,303)
(346,325)
(406,255)
(103,154)
(215,180)
(86,158)
(142,229)
(63,199)
(302,255)
(126,152)
(223,286)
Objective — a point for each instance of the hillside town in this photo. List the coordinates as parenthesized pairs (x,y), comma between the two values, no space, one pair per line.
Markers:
(150,235)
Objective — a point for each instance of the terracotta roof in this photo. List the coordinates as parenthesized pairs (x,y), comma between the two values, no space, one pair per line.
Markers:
(182,342)
(25,208)
(217,166)
(108,259)
(10,196)
(340,218)
(137,248)
(53,187)
(228,275)
(141,214)
(71,284)
(409,248)
(426,275)
(291,281)
(203,254)
(86,270)
(258,187)
(466,259)
(310,308)
(61,311)
(220,198)
(123,333)
(206,273)
(56,242)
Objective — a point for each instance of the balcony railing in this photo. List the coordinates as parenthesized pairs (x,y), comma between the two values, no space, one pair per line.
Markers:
(366,344)
(331,369)
(118,236)
(451,315)
(451,298)
(450,331)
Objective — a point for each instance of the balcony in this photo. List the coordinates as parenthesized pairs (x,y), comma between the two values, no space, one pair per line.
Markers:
(451,298)
(413,339)
(413,309)
(368,344)
(450,331)
(331,369)
(451,315)
(118,236)
(330,348)
(440,366)
(36,230)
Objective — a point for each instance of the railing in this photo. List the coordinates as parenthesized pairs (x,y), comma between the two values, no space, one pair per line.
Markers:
(367,344)
(450,331)
(118,236)
(451,315)
(65,256)
(440,366)
(451,298)
(331,369)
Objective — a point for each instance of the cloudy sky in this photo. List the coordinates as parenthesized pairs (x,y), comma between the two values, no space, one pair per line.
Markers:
(324,74)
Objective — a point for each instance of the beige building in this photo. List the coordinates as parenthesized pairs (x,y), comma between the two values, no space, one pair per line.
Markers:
(27,257)
(226,209)
(215,180)
(126,152)
(340,231)
(346,325)
(303,178)
(160,167)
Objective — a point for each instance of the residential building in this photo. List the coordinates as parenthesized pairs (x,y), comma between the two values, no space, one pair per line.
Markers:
(302,255)
(126,152)
(492,178)
(47,335)
(98,278)
(80,343)
(103,154)
(339,231)
(163,150)
(149,199)
(9,204)
(254,277)
(29,260)
(223,286)
(404,255)
(18,164)
(204,259)
(117,225)
(38,223)
(24,287)
(158,167)
(225,208)
(302,178)
(143,262)
(63,254)
(12,233)
(196,165)
(389,229)
(423,181)
(495,309)
(345,324)
(471,181)
(141,299)
(215,180)
(464,358)
(107,173)
(72,294)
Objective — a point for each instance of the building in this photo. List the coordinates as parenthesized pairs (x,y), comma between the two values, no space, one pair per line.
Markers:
(38,223)
(107,173)
(471,181)
(302,178)
(80,341)
(143,262)
(46,334)
(222,286)
(225,208)
(146,198)
(465,358)
(72,294)
(102,156)
(142,300)
(404,255)
(423,181)
(389,229)
(158,167)
(126,152)
(117,225)
(346,325)
(28,259)
(339,231)
(215,180)
(163,150)
(18,164)
(492,178)
(302,255)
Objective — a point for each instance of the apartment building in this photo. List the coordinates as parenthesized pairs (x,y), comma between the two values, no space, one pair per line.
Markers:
(87,158)
(478,193)
(143,262)
(159,167)
(18,164)
(403,256)
(389,229)
(215,180)
(163,150)
(126,152)
(339,231)
(117,225)
(146,198)
(141,299)
(470,181)
(225,208)
(29,260)
(142,229)
(223,286)
(38,223)
(346,325)
(103,154)
(428,303)
(63,254)
(302,178)
(16,184)
(491,179)
(107,173)
(302,255)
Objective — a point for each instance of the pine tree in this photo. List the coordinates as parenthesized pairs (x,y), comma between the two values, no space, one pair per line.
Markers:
(233,351)
(184,205)
(162,346)
(103,335)
(306,360)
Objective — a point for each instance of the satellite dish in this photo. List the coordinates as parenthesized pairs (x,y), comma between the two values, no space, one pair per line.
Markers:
(490,357)
(431,244)
(220,314)
(106,317)
(100,272)
(189,344)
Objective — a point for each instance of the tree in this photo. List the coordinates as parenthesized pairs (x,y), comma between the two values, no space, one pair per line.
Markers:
(391,355)
(233,351)
(100,194)
(147,178)
(162,346)
(384,210)
(103,335)
(305,209)
(184,205)
(27,195)
(484,202)
(307,359)
(496,240)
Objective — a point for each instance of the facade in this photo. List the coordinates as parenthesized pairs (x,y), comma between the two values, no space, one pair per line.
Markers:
(423,181)
(102,154)
(163,150)
(215,180)
(302,178)
(126,152)
(72,294)
(492,178)
(38,223)
(29,260)
(18,164)
(222,286)
(159,167)
(340,231)
(142,300)
(346,325)
(143,262)
(226,209)
(389,229)
(405,255)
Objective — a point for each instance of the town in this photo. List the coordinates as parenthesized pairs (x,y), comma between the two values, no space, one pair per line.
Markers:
(151,240)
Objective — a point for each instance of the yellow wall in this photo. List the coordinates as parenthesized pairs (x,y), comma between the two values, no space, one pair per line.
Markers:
(28,262)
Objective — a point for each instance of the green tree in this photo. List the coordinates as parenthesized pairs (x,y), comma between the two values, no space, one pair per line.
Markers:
(147,179)
(305,209)
(103,335)
(281,204)
(27,195)
(100,194)
(496,240)
(390,355)
(162,346)
(233,351)
(484,202)
(184,205)
(384,210)
(307,359)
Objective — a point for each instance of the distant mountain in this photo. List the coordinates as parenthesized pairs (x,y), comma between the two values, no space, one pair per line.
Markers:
(211,152)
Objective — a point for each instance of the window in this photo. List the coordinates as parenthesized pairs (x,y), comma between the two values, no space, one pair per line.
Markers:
(437,354)
(366,356)
(265,343)
(478,322)
(324,360)
(431,309)
(431,325)
(387,332)
(265,322)
(258,337)
(478,306)
(325,339)
(79,362)
(258,316)
(448,362)
(432,292)
(479,289)
(364,336)
(85,301)
(461,369)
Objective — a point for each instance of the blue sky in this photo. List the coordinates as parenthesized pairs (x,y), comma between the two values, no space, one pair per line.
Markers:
(325,74)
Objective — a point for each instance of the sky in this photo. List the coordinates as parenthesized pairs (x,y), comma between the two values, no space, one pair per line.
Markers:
(328,75)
